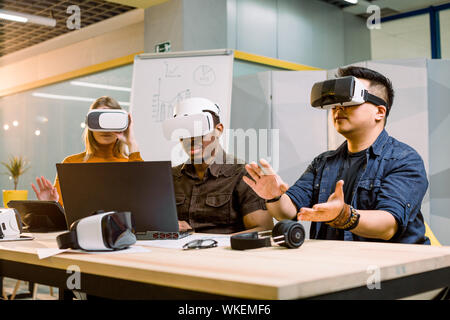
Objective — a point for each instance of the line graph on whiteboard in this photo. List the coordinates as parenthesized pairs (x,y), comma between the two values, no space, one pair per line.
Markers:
(163,108)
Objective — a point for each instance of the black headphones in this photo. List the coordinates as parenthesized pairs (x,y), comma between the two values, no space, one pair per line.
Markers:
(286,233)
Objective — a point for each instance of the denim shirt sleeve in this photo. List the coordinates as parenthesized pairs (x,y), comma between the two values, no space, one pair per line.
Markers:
(403,189)
(302,191)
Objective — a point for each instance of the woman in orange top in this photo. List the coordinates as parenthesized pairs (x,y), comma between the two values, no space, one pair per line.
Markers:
(100,147)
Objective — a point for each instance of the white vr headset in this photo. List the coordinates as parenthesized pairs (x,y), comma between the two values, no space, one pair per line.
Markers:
(110,120)
(191,119)
(10,223)
(345,91)
(103,231)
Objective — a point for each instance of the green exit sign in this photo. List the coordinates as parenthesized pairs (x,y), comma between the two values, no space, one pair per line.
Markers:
(163,47)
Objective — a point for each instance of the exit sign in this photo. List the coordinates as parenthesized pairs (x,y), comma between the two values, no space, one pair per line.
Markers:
(163,47)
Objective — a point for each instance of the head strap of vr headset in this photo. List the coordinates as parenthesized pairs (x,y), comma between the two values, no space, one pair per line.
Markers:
(218,109)
(217,113)
(68,240)
(374,99)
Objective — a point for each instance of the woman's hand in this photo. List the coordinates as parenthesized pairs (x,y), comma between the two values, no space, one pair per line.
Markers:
(128,137)
(46,192)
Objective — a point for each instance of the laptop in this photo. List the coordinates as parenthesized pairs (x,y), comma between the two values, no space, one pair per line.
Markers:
(144,188)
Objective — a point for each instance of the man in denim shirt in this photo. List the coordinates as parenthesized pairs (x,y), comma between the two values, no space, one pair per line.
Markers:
(369,189)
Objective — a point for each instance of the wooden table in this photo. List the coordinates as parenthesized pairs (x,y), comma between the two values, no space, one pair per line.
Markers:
(318,269)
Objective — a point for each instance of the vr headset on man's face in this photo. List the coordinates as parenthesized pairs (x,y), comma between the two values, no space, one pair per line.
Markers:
(345,91)
(109,120)
(192,118)
(188,126)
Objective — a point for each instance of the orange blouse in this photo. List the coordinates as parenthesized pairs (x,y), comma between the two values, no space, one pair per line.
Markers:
(79,158)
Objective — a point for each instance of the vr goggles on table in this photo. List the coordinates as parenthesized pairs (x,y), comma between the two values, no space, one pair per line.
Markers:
(109,120)
(103,231)
(345,91)
(10,223)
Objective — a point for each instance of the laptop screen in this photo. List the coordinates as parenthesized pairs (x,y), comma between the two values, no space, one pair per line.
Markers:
(143,188)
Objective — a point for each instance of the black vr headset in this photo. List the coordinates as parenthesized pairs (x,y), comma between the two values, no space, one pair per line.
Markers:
(345,91)
(102,231)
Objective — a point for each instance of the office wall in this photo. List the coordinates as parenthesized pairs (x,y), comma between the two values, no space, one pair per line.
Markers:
(357,41)
(187,24)
(162,23)
(309,32)
(439,133)
(205,24)
(402,39)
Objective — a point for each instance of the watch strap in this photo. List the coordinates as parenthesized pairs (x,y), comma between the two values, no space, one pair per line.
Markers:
(353,221)
(347,219)
(274,199)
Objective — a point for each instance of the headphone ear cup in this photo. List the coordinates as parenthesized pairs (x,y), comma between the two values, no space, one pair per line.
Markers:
(292,232)
(278,229)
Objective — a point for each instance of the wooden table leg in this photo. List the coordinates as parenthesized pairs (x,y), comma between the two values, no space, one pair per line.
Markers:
(16,288)
(35,289)
(4,295)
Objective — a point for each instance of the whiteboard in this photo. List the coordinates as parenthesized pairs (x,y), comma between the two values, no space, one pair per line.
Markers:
(161,80)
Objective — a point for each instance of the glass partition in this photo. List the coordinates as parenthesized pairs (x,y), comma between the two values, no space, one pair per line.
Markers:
(45,125)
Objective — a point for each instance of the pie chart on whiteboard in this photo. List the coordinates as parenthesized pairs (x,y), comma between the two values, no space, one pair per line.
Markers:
(204,75)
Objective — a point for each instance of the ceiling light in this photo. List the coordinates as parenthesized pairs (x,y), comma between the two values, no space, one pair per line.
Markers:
(12,17)
(26,18)
(6,127)
(41,119)
(352,1)
(37,132)
(99,86)
(15,123)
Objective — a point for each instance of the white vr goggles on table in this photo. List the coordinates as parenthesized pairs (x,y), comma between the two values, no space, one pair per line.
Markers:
(109,120)
(10,223)
(191,119)
(103,231)
(345,91)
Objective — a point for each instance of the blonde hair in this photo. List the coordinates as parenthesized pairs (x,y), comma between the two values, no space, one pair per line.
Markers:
(119,149)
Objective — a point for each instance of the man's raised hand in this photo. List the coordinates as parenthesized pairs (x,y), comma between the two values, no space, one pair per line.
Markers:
(264,181)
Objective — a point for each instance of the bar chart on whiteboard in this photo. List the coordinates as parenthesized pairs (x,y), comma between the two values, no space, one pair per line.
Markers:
(163,107)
